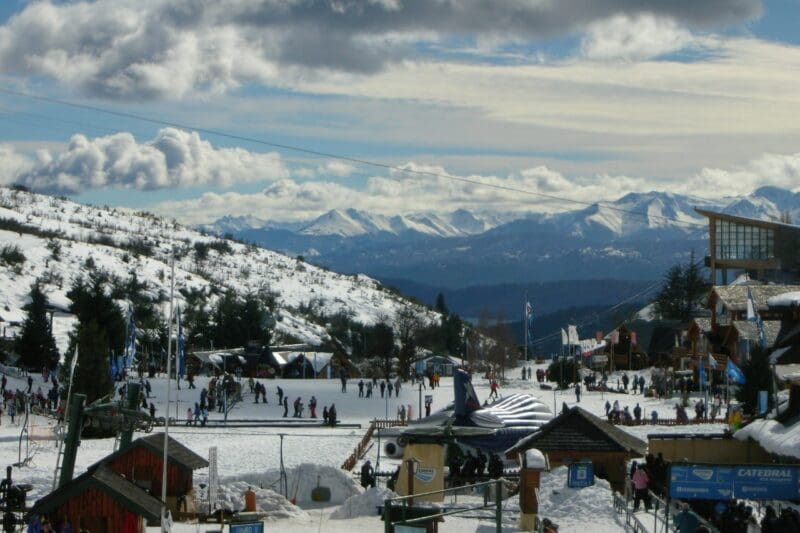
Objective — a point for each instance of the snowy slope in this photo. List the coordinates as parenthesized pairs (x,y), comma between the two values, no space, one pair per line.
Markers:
(80,229)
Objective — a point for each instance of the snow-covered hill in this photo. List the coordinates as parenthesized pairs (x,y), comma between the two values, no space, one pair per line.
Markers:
(108,238)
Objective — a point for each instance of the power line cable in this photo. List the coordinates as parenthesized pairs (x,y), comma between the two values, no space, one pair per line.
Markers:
(340,157)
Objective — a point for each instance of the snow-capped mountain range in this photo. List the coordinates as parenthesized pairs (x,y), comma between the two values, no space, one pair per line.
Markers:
(636,237)
(37,224)
(632,214)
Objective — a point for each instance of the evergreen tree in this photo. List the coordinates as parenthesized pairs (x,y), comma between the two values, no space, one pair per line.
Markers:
(682,291)
(441,306)
(36,344)
(758,377)
(380,342)
(407,324)
(562,371)
(236,323)
(100,332)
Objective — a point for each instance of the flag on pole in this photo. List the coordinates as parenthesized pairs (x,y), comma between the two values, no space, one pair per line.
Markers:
(712,363)
(529,320)
(130,342)
(573,335)
(701,374)
(734,373)
(564,338)
(751,308)
(180,344)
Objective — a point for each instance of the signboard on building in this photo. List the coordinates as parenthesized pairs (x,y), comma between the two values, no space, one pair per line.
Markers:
(580,475)
(752,482)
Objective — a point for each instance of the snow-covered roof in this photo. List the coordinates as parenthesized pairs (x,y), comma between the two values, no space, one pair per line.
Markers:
(317,360)
(735,297)
(749,330)
(773,436)
(786,299)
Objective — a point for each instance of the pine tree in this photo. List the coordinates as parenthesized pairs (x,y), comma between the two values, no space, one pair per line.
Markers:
(36,344)
(100,331)
(682,290)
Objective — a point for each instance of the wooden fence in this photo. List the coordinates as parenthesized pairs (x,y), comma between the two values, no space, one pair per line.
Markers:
(364,445)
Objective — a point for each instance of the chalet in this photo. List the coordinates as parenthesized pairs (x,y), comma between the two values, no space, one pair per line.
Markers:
(100,501)
(577,435)
(142,463)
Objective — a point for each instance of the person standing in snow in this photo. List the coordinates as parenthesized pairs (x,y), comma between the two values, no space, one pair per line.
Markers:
(325,414)
(312,406)
(383,387)
(332,415)
(361,388)
(280,395)
(152,410)
(367,475)
(397,387)
(390,388)
(578,392)
(285,406)
(640,483)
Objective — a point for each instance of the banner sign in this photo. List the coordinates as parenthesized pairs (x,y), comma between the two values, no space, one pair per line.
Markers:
(752,482)
(580,475)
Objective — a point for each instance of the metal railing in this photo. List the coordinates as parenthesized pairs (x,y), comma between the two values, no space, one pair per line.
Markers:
(406,509)
(661,521)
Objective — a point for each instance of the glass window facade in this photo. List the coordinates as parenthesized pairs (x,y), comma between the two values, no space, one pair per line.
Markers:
(742,242)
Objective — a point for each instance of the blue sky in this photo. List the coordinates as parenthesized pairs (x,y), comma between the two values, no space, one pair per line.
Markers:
(584,103)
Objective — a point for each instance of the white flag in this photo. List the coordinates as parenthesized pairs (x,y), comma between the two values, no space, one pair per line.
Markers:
(751,308)
(712,363)
(573,335)
(564,339)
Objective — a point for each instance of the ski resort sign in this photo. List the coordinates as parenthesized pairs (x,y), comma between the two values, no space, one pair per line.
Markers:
(751,482)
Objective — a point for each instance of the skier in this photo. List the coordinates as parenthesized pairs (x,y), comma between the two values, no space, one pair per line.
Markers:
(493,389)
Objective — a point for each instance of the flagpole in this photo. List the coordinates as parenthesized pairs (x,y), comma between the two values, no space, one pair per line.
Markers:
(526,326)
(166,418)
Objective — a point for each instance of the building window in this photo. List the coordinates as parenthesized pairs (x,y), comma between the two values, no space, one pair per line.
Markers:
(735,241)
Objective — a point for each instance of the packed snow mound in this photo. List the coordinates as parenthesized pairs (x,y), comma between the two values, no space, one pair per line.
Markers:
(364,504)
(303,479)
(573,508)
(231,496)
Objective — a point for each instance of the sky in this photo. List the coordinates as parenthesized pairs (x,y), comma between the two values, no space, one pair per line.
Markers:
(196,109)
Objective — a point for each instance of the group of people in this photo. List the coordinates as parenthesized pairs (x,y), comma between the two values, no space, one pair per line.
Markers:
(386,386)
(19,401)
(624,415)
(470,466)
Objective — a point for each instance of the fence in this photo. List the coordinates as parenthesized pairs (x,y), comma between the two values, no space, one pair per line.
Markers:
(424,515)
(661,521)
(364,445)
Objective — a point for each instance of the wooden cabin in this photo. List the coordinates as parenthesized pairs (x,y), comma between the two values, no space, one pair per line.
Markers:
(100,501)
(577,435)
(142,463)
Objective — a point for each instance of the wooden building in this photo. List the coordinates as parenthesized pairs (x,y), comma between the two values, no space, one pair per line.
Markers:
(142,463)
(577,435)
(100,501)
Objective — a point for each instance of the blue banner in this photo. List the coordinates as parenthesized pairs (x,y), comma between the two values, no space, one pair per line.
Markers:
(734,373)
(580,475)
(751,482)
(255,527)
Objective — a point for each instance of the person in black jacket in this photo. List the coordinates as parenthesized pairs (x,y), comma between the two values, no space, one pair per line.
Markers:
(285,406)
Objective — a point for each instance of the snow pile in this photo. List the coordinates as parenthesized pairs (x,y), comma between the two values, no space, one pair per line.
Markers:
(787,299)
(535,459)
(231,496)
(572,508)
(364,504)
(773,437)
(304,478)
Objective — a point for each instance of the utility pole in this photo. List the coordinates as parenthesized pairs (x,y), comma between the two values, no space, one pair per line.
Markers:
(166,418)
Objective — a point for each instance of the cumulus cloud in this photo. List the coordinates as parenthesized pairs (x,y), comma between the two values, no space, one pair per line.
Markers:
(627,38)
(770,169)
(166,48)
(173,158)
(534,189)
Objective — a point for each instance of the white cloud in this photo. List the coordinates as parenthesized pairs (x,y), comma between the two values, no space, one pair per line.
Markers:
(174,158)
(403,192)
(144,49)
(635,38)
